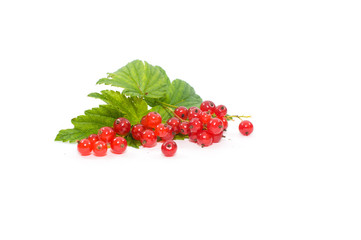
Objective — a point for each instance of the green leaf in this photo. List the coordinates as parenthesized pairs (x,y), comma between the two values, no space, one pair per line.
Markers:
(105,110)
(90,123)
(73,135)
(132,142)
(133,108)
(180,94)
(139,78)
(154,101)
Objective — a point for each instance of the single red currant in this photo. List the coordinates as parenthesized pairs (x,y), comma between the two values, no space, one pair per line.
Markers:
(246,127)
(184,128)
(195,125)
(161,130)
(194,112)
(193,137)
(106,134)
(169,148)
(215,126)
(93,138)
(137,131)
(100,148)
(181,112)
(225,122)
(220,111)
(208,106)
(148,138)
(170,133)
(218,137)
(153,119)
(174,123)
(204,139)
(122,126)
(118,145)
(205,117)
(84,147)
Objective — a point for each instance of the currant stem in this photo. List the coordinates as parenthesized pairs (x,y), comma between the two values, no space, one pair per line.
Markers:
(168,105)
(236,116)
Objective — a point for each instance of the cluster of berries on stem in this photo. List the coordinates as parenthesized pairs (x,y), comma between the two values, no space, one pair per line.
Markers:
(204,126)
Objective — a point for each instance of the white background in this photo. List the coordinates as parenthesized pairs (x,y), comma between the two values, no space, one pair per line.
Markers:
(293,65)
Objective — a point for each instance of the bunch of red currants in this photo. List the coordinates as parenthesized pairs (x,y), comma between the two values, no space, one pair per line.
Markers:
(204,126)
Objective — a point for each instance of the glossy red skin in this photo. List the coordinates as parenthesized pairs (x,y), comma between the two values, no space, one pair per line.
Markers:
(153,119)
(194,112)
(148,138)
(137,131)
(118,145)
(181,112)
(218,137)
(122,126)
(174,123)
(161,130)
(204,139)
(106,134)
(169,148)
(170,133)
(220,111)
(93,138)
(195,125)
(208,106)
(225,122)
(100,148)
(205,117)
(84,147)
(193,137)
(215,126)
(245,127)
(184,128)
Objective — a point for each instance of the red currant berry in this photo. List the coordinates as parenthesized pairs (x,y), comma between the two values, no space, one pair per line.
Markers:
(170,133)
(205,117)
(100,148)
(218,137)
(220,111)
(161,130)
(148,138)
(208,106)
(118,145)
(84,147)
(93,138)
(195,125)
(193,137)
(174,123)
(215,126)
(153,119)
(169,148)
(181,112)
(106,134)
(184,128)
(194,112)
(225,122)
(204,139)
(144,121)
(137,131)
(246,127)
(122,126)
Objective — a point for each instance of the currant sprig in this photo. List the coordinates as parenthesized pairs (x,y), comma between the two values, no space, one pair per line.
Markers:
(204,126)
